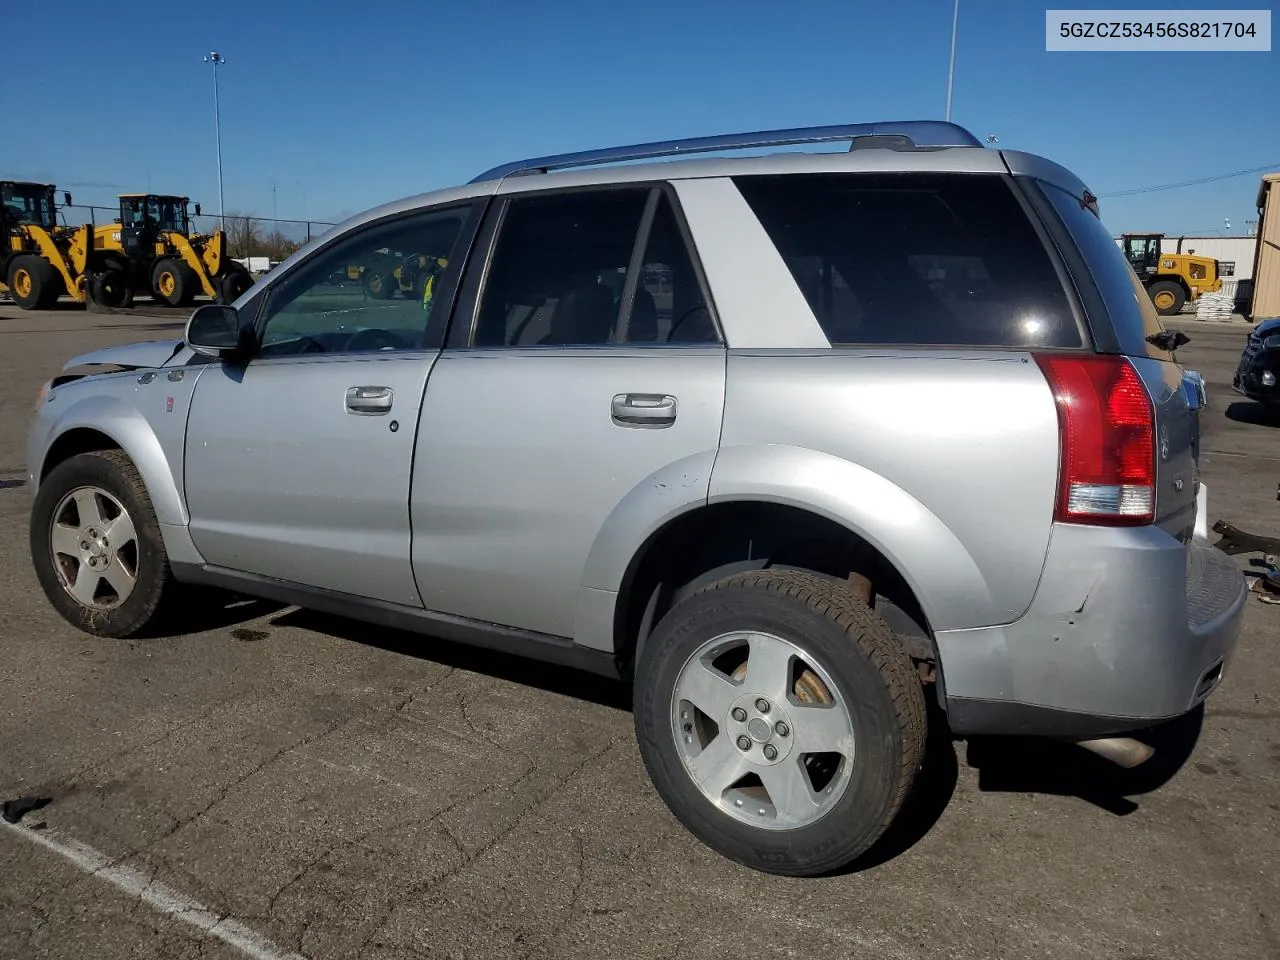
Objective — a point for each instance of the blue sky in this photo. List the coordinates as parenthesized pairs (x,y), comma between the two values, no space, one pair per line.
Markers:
(347,105)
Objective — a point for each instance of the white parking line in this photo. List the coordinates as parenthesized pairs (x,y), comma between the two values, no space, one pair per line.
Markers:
(159,896)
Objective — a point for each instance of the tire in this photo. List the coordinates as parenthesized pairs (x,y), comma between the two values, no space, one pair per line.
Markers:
(108,605)
(233,284)
(174,282)
(852,655)
(1167,297)
(111,288)
(34,282)
(380,285)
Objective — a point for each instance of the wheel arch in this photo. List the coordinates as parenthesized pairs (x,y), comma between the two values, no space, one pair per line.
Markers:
(104,423)
(785,506)
(1174,278)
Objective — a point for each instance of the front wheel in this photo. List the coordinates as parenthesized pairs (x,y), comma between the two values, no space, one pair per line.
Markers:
(780,720)
(34,283)
(96,545)
(174,282)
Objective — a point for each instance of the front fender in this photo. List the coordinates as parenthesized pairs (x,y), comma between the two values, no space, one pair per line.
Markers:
(124,424)
(940,571)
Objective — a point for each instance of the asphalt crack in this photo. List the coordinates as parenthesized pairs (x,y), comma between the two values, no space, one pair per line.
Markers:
(225,790)
(428,887)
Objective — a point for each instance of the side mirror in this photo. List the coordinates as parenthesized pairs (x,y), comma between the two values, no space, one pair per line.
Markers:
(214,330)
(66,198)
(197,209)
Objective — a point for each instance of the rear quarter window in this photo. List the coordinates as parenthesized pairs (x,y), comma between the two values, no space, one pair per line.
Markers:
(920,259)
(1133,316)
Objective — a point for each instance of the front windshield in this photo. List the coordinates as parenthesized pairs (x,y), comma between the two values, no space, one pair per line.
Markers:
(28,203)
(166,213)
(169,212)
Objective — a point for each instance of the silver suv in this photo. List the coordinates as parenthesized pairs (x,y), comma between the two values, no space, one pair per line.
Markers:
(795,443)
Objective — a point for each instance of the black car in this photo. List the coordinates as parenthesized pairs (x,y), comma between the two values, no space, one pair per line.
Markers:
(1259,369)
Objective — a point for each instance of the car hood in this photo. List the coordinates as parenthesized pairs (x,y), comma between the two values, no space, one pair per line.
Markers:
(131,356)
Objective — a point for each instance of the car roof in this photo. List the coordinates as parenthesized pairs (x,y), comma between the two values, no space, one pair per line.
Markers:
(902,146)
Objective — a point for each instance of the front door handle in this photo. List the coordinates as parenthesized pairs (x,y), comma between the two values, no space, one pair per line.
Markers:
(644,409)
(369,401)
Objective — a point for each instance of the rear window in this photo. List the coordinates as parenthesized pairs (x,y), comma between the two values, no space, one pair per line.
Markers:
(937,259)
(1132,313)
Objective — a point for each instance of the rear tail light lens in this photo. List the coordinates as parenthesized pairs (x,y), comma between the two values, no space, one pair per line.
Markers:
(1107,429)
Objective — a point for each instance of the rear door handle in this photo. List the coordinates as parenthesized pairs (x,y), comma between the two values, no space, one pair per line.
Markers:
(369,401)
(644,409)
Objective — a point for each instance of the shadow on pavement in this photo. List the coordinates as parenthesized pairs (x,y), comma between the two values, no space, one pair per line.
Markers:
(1033,765)
(1004,764)
(534,673)
(1246,411)
(203,609)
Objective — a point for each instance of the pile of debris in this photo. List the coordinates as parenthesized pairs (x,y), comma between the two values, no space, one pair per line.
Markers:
(1266,570)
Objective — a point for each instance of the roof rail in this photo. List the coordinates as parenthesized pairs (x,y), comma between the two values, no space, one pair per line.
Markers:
(911,134)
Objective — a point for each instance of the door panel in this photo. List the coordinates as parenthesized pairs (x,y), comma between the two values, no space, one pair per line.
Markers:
(288,476)
(522,455)
(586,359)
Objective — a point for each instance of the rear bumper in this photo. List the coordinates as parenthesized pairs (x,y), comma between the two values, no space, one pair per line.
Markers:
(1128,628)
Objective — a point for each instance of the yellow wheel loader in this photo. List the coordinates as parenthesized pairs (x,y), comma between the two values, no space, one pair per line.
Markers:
(152,250)
(385,273)
(1171,279)
(40,261)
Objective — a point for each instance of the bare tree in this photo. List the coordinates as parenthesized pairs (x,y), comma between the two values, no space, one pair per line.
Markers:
(276,245)
(243,235)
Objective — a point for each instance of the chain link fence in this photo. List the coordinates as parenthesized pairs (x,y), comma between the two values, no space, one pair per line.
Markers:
(247,236)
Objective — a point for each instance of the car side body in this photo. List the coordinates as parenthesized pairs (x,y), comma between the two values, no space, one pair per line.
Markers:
(555,500)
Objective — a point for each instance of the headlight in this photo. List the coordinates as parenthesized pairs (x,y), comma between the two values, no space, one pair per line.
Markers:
(41,394)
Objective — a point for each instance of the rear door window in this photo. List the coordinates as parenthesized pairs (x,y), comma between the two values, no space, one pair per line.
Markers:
(932,259)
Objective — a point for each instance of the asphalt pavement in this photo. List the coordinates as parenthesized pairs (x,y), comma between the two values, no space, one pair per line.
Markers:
(274,783)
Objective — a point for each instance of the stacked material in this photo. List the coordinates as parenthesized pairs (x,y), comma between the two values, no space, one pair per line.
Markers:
(1215,306)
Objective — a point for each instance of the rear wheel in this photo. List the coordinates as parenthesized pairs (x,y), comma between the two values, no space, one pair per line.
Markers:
(1168,297)
(234,283)
(112,288)
(780,720)
(96,545)
(174,282)
(33,282)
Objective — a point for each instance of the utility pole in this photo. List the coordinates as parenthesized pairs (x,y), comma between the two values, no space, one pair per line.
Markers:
(951,70)
(217,59)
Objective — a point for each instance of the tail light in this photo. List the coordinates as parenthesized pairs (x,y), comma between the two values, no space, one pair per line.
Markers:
(1107,430)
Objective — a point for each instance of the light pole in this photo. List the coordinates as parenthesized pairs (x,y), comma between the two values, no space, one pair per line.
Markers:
(304,207)
(216,58)
(951,70)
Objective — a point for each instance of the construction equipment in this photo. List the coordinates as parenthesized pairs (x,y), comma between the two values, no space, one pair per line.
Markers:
(384,272)
(152,250)
(1171,279)
(39,260)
